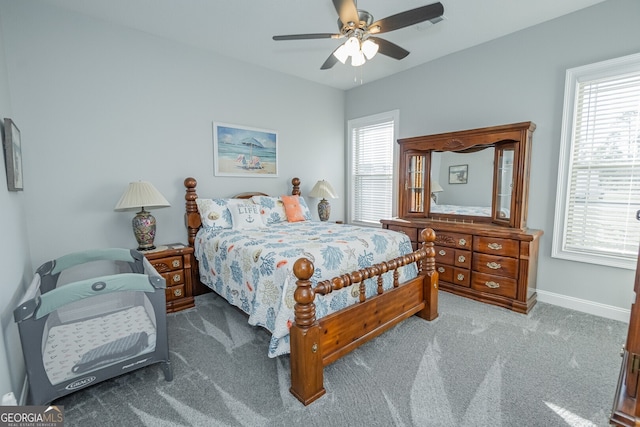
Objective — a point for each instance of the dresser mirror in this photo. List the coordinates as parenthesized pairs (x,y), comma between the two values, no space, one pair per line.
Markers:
(476,179)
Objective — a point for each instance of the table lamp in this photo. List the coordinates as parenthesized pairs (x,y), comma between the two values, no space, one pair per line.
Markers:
(435,188)
(139,195)
(323,190)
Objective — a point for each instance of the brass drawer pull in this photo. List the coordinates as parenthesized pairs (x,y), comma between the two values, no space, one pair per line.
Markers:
(492,285)
(495,246)
(460,277)
(175,263)
(177,277)
(461,258)
(442,252)
(462,242)
(177,292)
(494,265)
(440,269)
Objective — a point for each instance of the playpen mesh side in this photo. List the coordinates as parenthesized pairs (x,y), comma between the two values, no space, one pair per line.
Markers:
(108,328)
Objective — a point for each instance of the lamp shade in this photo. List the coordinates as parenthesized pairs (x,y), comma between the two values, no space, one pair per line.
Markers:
(141,194)
(436,187)
(323,190)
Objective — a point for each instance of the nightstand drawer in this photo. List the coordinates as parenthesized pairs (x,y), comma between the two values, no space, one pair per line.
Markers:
(173,277)
(174,292)
(167,264)
(494,284)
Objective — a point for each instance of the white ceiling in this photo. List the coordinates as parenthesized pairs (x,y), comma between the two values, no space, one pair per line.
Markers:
(243,29)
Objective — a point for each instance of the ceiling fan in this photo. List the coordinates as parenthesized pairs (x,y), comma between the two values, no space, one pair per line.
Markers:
(358,28)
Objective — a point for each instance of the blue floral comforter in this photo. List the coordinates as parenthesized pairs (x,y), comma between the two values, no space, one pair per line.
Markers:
(253,269)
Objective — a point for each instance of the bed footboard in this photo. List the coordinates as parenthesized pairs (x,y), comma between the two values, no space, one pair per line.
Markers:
(316,343)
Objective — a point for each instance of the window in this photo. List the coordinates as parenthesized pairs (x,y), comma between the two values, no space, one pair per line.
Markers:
(599,171)
(371,159)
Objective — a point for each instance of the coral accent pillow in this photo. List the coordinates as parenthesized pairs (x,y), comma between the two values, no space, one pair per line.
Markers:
(292,208)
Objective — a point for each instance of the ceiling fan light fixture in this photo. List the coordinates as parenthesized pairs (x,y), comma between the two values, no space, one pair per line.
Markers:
(341,53)
(369,48)
(352,46)
(358,59)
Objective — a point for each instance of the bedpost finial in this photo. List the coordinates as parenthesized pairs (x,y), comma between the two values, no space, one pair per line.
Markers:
(190,182)
(428,235)
(303,269)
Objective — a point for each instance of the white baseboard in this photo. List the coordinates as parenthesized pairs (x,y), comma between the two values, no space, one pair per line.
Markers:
(585,306)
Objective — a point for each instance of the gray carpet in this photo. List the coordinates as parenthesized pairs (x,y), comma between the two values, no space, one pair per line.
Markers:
(476,365)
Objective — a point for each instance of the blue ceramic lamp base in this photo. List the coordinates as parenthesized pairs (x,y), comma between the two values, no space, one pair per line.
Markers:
(144,228)
(324,210)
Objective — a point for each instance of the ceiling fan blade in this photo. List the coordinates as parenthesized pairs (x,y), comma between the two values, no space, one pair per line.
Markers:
(330,62)
(308,36)
(390,49)
(407,18)
(347,11)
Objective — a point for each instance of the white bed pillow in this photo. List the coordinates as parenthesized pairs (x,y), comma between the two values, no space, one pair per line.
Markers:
(214,213)
(305,209)
(245,216)
(271,209)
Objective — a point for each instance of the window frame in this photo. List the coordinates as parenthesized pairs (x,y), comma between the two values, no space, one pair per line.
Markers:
(393,115)
(575,76)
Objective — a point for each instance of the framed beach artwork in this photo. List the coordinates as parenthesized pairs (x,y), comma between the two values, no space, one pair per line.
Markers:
(244,151)
(12,155)
(458,174)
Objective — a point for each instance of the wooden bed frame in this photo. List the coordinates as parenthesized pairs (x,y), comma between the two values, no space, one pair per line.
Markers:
(315,343)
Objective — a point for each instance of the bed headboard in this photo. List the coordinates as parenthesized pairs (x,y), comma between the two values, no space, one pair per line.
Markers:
(192,216)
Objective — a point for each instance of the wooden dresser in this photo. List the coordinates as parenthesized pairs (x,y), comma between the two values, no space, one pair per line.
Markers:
(483,248)
(488,263)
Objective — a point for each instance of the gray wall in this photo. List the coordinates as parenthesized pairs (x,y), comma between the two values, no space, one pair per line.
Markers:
(519,78)
(99,106)
(14,253)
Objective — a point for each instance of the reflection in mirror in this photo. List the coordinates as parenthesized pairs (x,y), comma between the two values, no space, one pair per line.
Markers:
(471,198)
(504,186)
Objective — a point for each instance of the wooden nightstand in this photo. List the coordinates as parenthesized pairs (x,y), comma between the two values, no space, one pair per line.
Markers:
(173,262)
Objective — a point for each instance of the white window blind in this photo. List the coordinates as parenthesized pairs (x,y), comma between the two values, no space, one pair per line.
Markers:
(372,147)
(602,174)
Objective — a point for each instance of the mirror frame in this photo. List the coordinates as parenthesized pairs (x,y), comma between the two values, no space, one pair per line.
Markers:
(517,136)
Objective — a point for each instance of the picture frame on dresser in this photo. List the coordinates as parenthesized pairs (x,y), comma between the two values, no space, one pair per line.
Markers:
(12,155)
(243,151)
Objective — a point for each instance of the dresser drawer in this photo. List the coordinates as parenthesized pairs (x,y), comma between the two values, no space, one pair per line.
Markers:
(174,292)
(167,264)
(501,266)
(412,232)
(173,277)
(444,255)
(458,276)
(495,246)
(494,284)
(462,259)
(454,240)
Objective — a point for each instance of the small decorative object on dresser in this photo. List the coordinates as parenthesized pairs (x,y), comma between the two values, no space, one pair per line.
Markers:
(139,195)
(483,249)
(323,190)
(174,262)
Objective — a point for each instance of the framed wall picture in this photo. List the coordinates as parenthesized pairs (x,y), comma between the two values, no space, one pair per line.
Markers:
(12,155)
(458,174)
(244,151)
